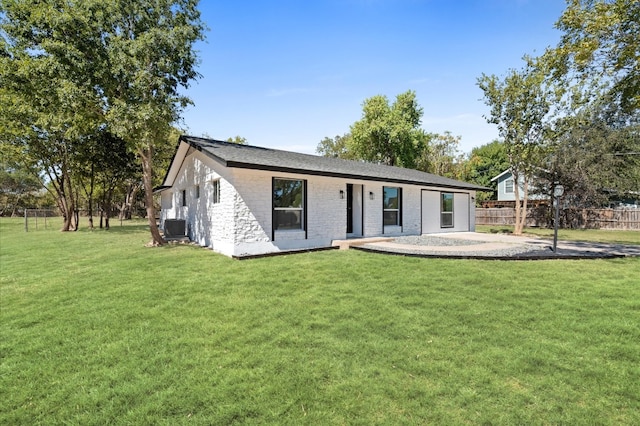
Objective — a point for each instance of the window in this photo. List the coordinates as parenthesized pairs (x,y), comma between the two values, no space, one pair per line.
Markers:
(288,204)
(216,191)
(392,206)
(446,210)
(184,198)
(197,191)
(508,186)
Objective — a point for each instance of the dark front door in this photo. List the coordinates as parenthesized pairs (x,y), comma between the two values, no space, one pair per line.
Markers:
(349,208)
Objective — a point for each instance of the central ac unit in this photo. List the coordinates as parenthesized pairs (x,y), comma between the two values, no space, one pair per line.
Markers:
(175,228)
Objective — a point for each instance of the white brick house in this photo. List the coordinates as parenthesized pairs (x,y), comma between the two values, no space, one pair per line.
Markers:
(244,200)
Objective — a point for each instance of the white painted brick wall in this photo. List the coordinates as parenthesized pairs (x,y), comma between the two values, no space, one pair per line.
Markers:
(373,209)
(242,222)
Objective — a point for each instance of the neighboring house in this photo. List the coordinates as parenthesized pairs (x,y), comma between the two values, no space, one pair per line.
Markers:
(244,200)
(506,191)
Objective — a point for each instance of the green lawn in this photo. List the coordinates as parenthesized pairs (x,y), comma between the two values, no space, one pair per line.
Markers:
(97,329)
(596,235)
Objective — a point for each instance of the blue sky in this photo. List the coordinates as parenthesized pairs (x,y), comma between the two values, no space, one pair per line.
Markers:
(286,73)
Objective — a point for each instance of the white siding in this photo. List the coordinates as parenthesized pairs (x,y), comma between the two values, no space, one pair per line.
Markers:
(430,212)
(503,195)
(460,212)
(463,211)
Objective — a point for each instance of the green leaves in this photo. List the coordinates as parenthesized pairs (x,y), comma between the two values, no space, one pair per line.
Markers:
(600,42)
(72,68)
(389,134)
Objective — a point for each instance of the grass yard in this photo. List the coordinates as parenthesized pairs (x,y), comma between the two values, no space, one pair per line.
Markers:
(612,236)
(97,329)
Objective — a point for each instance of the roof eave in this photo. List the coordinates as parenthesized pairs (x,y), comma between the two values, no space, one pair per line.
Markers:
(265,167)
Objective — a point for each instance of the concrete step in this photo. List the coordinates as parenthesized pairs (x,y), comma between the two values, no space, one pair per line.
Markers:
(345,244)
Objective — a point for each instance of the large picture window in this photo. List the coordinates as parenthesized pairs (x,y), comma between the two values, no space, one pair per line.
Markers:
(392,203)
(288,204)
(446,210)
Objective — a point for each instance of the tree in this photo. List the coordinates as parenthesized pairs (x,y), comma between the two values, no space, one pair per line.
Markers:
(18,185)
(484,163)
(600,45)
(389,134)
(338,147)
(114,166)
(46,107)
(520,105)
(114,63)
(597,66)
(595,160)
(150,48)
(440,155)
(238,140)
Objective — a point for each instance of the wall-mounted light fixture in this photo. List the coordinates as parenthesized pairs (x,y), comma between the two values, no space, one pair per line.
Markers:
(341,194)
(371,195)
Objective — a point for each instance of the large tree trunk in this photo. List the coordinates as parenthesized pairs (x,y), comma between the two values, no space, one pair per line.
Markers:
(146,155)
(66,201)
(106,208)
(15,207)
(127,205)
(90,195)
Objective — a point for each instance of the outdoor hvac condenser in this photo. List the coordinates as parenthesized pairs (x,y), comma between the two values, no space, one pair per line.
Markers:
(175,228)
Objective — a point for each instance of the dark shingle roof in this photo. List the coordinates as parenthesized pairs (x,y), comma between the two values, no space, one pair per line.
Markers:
(253,157)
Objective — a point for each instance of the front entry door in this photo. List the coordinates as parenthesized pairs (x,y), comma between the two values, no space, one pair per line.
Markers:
(349,208)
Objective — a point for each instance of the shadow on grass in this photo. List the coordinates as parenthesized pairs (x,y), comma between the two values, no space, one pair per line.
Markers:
(127,227)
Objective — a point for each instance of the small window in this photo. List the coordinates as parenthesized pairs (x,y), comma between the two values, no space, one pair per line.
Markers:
(216,191)
(288,204)
(508,186)
(197,191)
(184,198)
(392,205)
(446,210)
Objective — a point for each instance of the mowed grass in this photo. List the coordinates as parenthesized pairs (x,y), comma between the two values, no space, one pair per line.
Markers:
(97,329)
(612,236)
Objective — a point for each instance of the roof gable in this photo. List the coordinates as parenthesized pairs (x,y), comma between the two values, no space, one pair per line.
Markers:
(508,171)
(258,158)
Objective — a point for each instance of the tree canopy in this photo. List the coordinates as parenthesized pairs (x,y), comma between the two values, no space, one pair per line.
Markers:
(389,133)
(520,105)
(339,147)
(484,163)
(392,134)
(69,70)
(600,46)
(571,115)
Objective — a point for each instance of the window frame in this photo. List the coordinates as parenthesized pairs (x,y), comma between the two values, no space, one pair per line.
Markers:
(216,191)
(301,210)
(508,186)
(397,210)
(444,212)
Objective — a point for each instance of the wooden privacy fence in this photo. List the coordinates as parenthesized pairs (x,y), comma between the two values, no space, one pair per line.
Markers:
(569,218)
